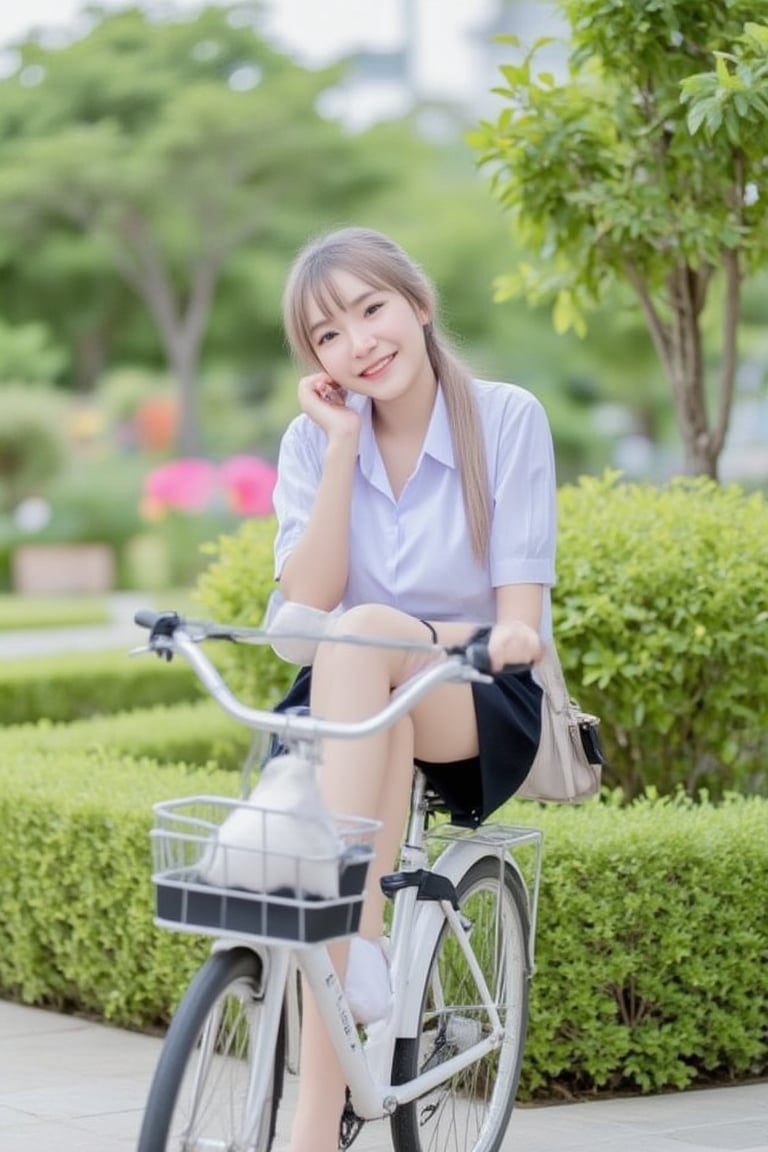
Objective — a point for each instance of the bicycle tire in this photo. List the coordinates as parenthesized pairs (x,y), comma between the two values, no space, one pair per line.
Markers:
(195,1101)
(471,1111)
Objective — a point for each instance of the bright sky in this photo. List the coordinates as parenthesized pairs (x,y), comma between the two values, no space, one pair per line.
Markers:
(317,30)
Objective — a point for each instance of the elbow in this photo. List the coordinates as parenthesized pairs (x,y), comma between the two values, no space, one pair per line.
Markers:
(309,592)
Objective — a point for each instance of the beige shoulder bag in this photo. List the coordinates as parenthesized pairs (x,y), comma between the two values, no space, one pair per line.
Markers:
(567,767)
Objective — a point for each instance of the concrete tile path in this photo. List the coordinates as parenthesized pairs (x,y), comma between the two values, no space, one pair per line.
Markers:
(70,1085)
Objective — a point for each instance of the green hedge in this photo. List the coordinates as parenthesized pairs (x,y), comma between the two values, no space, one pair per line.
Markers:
(76,899)
(652,942)
(235,588)
(68,687)
(661,617)
(661,612)
(197,733)
(653,946)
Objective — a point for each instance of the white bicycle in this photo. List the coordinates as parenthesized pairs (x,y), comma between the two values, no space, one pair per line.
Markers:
(444,1064)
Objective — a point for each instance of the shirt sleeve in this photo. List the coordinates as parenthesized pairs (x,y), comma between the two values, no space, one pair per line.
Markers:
(524,513)
(299,468)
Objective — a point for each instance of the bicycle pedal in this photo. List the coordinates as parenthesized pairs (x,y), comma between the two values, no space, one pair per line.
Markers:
(350,1124)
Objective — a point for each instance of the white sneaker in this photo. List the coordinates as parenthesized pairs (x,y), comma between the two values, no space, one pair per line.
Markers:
(367,985)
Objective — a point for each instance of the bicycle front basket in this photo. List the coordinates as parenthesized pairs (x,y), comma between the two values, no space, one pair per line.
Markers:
(227,867)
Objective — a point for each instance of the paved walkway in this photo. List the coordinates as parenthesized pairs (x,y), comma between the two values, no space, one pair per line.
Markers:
(120,632)
(70,1085)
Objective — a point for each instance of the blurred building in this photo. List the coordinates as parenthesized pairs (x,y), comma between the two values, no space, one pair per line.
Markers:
(413,51)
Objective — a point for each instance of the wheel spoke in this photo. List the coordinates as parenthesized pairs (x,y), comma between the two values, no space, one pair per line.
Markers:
(471,1110)
(199,1101)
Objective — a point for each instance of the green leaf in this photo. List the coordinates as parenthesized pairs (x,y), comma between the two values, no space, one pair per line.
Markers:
(696,116)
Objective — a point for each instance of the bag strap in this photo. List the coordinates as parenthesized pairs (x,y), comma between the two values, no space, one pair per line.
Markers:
(549,672)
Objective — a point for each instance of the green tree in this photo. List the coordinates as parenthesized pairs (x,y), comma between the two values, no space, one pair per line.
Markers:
(644,165)
(33,445)
(173,147)
(27,353)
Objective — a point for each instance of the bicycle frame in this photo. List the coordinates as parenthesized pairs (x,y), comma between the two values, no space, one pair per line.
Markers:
(416,925)
(415,930)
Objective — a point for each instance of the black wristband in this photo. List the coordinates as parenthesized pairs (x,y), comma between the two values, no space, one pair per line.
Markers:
(432,629)
(480,635)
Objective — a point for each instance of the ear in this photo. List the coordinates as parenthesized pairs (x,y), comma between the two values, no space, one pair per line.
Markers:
(424,316)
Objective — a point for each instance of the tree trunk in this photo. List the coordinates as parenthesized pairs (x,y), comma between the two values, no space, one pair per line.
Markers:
(184,357)
(686,371)
(181,326)
(678,343)
(90,360)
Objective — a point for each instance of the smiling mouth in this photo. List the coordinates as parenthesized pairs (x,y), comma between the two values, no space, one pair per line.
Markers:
(377,368)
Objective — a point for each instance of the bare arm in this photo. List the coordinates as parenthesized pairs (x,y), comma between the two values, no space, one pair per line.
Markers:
(315,573)
(515,636)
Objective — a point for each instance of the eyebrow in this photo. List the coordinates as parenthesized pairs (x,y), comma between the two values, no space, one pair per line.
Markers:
(352,304)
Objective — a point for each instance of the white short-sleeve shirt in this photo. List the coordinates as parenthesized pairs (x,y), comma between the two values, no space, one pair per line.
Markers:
(415,552)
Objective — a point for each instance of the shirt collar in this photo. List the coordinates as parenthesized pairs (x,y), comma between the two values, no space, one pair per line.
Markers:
(438,443)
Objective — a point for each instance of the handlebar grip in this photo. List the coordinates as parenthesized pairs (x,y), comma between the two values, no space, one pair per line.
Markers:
(478,656)
(158,623)
(145,617)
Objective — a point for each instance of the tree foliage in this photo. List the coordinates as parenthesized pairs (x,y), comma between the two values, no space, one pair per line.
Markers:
(169,148)
(645,164)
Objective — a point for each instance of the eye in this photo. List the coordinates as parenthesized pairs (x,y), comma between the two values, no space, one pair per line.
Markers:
(326,337)
(371,309)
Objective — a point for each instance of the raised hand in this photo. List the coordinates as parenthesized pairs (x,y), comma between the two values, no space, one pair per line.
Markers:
(325,403)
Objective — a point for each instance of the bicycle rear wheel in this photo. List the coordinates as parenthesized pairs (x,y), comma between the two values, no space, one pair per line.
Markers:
(199,1094)
(470,1112)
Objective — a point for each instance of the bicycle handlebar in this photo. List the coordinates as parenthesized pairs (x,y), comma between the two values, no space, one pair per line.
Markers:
(170,634)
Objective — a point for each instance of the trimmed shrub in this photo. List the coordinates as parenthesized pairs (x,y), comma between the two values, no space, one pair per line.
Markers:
(76,898)
(651,948)
(661,614)
(235,589)
(198,733)
(661,618)
(62,688)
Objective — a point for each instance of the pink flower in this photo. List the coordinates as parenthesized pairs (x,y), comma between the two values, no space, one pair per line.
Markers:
(188,484)
(250,482)
(193,485)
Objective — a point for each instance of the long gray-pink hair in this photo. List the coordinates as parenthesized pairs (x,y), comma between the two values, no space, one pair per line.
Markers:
(377,260)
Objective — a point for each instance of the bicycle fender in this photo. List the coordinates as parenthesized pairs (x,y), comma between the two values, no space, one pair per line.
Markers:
(456,859)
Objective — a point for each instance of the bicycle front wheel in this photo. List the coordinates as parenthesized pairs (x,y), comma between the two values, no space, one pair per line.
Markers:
(199,1097)
(470,1112)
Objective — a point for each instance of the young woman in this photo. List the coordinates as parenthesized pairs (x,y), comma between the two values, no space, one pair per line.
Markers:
(419,504)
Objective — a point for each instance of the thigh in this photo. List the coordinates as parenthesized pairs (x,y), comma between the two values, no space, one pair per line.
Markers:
(445,725)
(509,727)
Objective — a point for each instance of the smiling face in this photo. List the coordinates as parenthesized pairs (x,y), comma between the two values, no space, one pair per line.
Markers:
(368,339)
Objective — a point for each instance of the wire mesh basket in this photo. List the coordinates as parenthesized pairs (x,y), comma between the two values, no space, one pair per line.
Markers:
(229,868)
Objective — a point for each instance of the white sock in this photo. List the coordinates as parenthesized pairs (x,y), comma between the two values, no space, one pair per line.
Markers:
(367,985)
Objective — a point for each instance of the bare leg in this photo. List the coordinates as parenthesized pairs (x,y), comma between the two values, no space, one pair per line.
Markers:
(321,1085)
(370,777)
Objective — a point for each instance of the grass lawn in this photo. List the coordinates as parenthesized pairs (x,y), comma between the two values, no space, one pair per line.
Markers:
(51,612)
(17,612)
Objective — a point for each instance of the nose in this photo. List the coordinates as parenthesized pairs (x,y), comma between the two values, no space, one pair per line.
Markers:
(363,342)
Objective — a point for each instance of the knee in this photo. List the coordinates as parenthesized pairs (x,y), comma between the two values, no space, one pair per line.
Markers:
(364,620)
